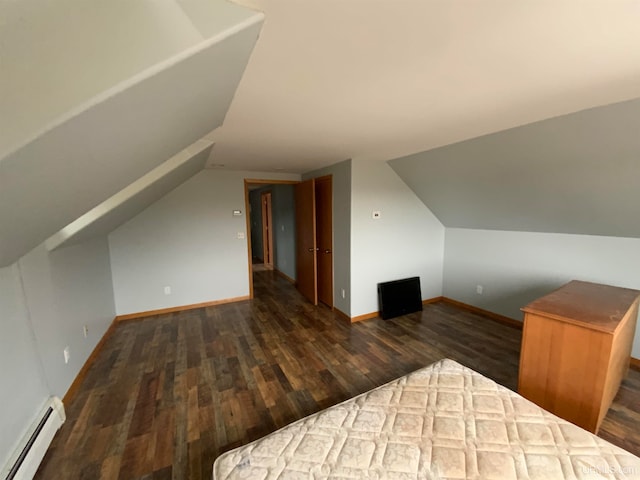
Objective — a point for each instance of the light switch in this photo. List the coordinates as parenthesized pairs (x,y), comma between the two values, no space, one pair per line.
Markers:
(237,213)
(375,214)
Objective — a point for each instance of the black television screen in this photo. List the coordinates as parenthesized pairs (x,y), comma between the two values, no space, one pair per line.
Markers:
(399,297)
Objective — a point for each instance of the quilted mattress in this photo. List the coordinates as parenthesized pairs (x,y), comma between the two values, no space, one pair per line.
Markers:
(444,421)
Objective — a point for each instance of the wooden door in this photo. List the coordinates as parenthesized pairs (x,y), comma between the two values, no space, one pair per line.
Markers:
(306,258)
(324,239)
(267,231)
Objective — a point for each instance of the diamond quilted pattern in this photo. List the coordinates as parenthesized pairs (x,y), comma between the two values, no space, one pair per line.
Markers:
(444,421)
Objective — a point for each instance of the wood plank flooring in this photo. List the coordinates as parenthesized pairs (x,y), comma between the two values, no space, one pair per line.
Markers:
(168,394)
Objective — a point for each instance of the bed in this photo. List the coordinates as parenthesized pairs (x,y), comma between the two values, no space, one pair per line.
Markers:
(444,421)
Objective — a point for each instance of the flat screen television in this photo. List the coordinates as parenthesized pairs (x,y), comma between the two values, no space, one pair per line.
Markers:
(399,297)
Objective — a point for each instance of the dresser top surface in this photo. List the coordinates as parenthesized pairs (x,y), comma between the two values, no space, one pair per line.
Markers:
(592,305)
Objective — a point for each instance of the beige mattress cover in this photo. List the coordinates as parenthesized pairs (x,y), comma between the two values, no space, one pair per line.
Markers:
(444,421)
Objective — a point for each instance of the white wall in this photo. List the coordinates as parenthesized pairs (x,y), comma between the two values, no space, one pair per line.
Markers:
(65,290)
(341,189)
(24,388)
(408,240)
(515,268)
(188,241)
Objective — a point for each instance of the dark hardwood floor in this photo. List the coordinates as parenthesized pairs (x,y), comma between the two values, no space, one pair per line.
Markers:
(168,394)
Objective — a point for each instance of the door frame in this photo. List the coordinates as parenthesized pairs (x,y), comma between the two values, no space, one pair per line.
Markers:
(247,183)
(267,219)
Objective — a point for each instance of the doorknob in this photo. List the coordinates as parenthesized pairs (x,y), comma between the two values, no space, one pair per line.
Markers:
(310,249)
(327,250)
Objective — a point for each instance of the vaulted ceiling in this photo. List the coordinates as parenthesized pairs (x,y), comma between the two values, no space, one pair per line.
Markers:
(95,94)
(336,79)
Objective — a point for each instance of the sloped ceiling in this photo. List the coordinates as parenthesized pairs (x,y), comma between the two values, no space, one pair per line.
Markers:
(572,174)
(101,146)
(336,79)
(133,199)
(57,55)
(88,108)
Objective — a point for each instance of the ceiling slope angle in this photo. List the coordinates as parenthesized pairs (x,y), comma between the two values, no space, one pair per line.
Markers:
(393,78)
(130,201)
(575,174)
(98,148)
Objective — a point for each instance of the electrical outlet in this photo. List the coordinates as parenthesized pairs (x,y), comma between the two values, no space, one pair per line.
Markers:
(167,290)
(85,331)
(344,294)
(479,289)
(66,354)
(376,214)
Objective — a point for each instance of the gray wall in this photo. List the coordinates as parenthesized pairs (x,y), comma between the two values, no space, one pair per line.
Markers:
(517,267)
(407,241)
(187,240)
(284,228)
(341,186)
(575,174)
(24,388)
(256,223)
(45,301)
(65,290)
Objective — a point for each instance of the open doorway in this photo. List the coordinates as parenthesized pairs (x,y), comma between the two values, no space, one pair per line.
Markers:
(270,228)
(290,228)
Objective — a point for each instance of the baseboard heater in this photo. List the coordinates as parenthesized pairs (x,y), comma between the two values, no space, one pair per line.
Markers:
(26,459)
(399,297)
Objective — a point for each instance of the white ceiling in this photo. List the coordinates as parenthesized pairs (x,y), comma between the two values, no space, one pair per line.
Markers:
(336,79)
(96,93)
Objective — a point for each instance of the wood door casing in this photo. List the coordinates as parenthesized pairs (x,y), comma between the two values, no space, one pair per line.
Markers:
(306,257)
(267,230)
(324,239)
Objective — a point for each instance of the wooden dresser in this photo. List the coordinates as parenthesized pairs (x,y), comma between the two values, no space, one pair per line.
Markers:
(576,346)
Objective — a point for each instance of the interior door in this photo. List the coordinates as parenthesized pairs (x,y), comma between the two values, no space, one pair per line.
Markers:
(306,248)
(324,239)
